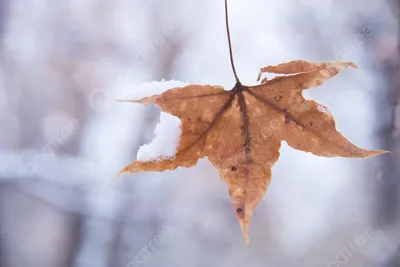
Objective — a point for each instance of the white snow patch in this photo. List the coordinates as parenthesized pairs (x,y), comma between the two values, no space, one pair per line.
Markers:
(307,95)
(154,88)
(168,131)
(166,142)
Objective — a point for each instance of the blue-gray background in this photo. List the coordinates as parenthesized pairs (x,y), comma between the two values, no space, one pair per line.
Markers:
(63,138)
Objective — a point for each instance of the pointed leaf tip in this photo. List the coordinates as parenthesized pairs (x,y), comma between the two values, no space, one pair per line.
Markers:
(247,241)
(126,100)
(145,100)
(378,152)
(131,168)
(354,65)
(346,64)
(119,175)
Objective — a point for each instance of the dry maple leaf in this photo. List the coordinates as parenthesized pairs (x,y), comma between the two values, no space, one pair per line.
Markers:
(241,130)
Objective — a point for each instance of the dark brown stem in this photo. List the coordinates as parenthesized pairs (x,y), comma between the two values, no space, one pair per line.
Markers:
(229,42)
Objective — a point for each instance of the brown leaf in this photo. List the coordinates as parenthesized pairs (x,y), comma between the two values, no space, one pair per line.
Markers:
(240,131)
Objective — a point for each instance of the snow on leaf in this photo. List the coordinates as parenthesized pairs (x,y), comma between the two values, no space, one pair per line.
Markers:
(166,142)
(152,88)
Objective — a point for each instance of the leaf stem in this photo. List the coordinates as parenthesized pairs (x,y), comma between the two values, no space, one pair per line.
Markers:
(229,42)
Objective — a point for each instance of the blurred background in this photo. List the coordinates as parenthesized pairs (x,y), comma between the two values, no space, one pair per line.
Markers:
(63,137)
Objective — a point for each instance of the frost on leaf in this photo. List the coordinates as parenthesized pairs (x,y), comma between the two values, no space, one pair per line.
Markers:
(240,131)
